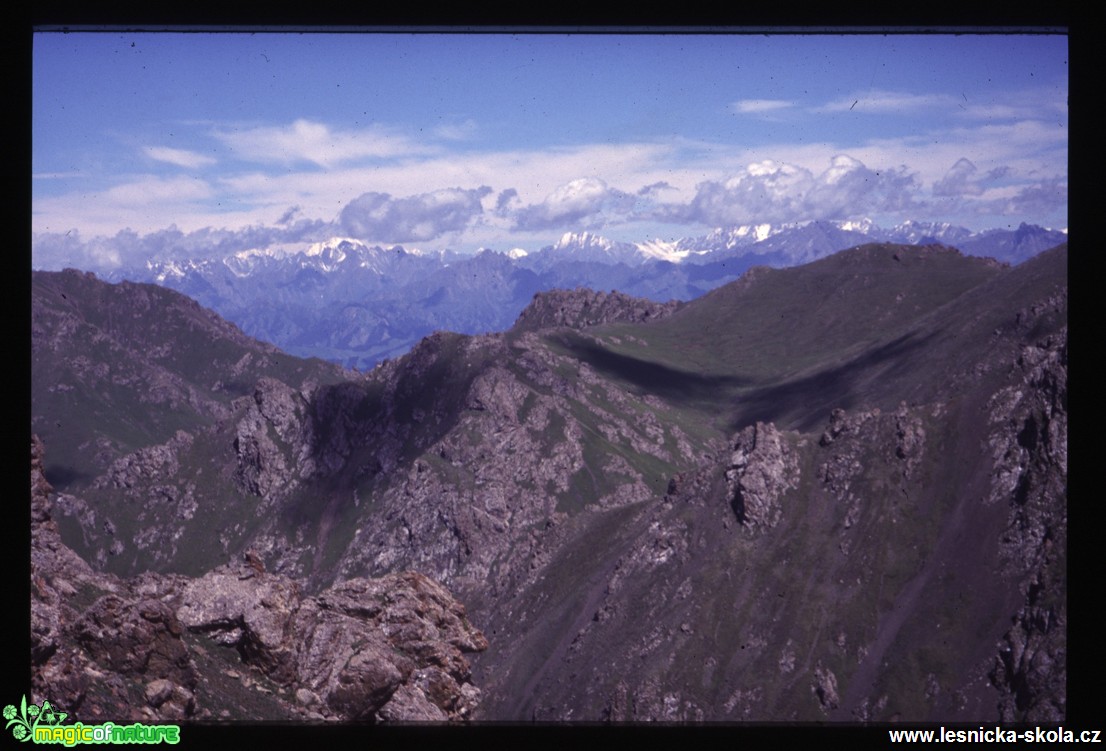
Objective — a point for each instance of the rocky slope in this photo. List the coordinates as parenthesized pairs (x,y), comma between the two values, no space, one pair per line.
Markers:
(240,643)
(741,508)
(122,366)
(852,575)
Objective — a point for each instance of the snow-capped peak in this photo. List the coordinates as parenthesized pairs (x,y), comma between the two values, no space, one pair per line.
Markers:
(864,225)
(165,270)
(663,250)
(332,244)
(582,240)
(745,234)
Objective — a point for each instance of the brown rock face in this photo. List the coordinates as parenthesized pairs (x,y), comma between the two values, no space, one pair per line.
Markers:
(99,643)
(129,636)
(389,649)
(352,647)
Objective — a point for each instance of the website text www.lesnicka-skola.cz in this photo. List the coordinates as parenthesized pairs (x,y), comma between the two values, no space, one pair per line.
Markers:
(996,735)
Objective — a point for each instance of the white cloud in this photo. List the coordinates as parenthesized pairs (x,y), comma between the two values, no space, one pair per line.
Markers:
(179,157)
(889,102)
(155,190)
(58,175)
(533,190)
(419,218)
(585,202)
(308,141)
(532,174)
(759,106)
(777,192)
(1042,103)
(145,203)
(962,179)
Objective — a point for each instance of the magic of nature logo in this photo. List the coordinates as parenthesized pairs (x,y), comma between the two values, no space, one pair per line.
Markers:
(43,724)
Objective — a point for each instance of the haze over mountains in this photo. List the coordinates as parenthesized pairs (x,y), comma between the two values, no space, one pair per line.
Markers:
(356,304)
(835,491)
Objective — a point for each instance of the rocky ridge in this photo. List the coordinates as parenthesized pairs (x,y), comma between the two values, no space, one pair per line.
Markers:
(581,307)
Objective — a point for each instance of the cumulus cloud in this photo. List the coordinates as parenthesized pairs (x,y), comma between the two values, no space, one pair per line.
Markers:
(962,179)
(768,190)
(849,189)
(384,218)
(586,202)
(221,242)
(778,192)
(307,141)
(58,250)
(179,157)
(1046,197)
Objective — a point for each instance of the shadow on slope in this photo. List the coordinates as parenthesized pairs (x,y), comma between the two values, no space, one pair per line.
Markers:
(803,403)
(674,385)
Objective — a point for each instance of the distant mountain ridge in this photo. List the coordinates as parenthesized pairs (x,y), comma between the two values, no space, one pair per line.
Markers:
(356,304)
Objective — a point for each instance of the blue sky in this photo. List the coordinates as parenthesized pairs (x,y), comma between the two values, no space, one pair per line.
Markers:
(197,143)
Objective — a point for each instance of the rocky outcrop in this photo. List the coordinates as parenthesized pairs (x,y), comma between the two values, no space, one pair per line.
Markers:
(103,646)
(390,649)
(1028,439)
(273,441)
(763,467)
(581,308)
(825,688)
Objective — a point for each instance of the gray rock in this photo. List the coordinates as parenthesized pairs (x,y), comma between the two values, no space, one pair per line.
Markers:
(581,308)
(763,467)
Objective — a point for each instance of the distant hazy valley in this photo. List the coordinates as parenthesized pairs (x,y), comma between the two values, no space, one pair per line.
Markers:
(695,489)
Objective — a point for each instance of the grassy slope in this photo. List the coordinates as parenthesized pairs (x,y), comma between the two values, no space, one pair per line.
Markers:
(126,366)
(789,345)
(912,604)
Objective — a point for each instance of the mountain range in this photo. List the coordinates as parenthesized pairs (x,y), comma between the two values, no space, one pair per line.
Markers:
(835,491)
(357,305)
